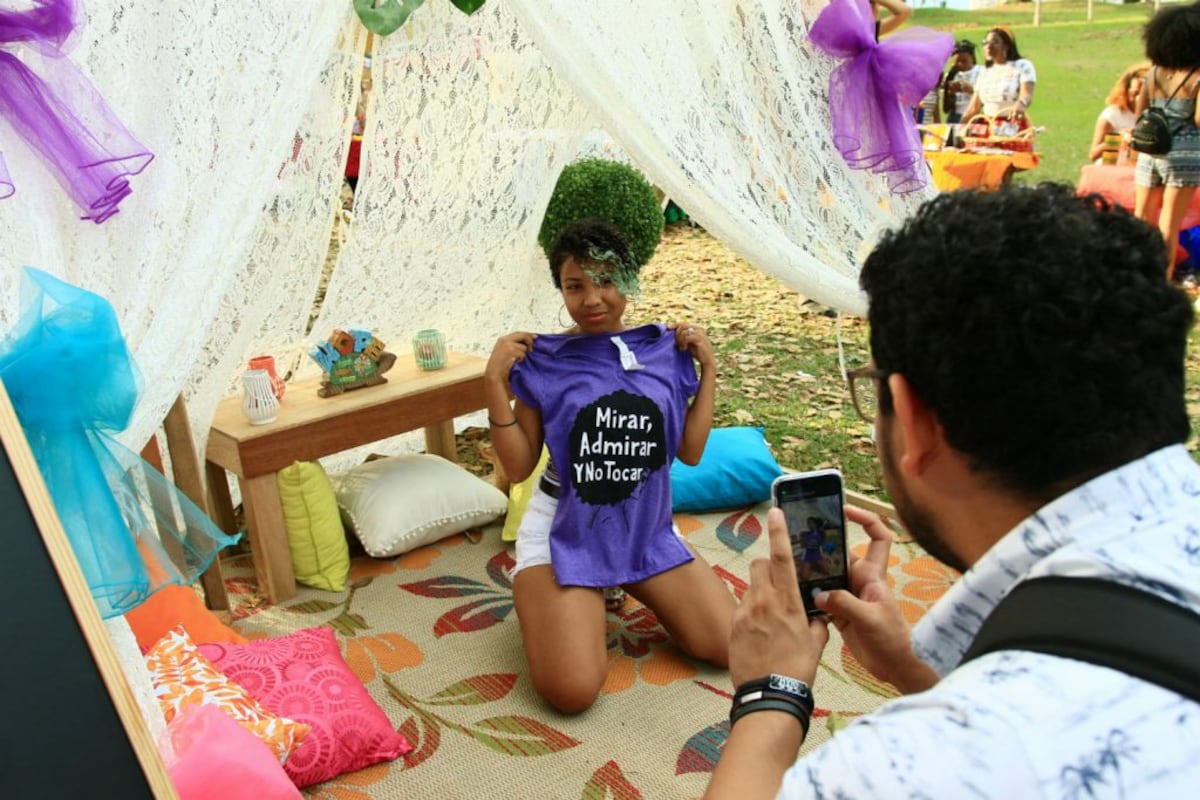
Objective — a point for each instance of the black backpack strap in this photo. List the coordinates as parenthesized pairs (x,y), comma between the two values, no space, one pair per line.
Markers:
(1182,83)
(1100,622)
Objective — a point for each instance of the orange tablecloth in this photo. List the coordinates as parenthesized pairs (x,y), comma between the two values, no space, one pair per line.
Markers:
(957,169)
(1116,184)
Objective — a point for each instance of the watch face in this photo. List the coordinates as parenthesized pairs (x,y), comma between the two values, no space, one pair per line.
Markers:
(790,685)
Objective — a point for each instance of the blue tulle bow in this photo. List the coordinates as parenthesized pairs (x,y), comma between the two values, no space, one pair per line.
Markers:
(73,385)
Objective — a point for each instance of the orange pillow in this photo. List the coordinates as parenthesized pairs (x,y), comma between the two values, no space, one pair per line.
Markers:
(173,606)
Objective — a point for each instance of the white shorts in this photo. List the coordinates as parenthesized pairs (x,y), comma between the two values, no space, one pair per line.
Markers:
(533,535)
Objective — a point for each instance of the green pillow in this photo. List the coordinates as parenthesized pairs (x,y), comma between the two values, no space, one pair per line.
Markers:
(736,471)
(320,555)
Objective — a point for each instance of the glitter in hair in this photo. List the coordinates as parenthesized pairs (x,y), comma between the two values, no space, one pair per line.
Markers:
(622,271)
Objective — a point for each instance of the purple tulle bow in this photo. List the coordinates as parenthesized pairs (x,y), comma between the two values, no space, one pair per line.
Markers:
(61,115)
(871,94)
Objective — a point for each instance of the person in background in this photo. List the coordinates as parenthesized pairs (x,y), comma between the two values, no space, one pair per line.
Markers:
(959,84)
(1062,454)
(614,405)
(898,14)
(1118,116)
(929,111)
(1165,184)
(1004,89)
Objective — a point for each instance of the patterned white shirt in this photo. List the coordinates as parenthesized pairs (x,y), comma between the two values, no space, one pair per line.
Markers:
(999,86)
(1026,725)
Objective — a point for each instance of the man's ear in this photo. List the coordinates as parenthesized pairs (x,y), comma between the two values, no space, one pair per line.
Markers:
(920,428)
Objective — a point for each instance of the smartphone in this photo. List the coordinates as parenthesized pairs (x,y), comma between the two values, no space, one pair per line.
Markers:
(812,503)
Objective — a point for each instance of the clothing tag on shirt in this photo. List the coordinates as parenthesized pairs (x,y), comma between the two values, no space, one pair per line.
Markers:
(629,361)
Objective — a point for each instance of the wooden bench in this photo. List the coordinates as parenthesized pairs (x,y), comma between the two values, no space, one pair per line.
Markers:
(309,427)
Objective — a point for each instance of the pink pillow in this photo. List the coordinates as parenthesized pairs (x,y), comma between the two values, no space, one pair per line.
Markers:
(304,676)
(216,757)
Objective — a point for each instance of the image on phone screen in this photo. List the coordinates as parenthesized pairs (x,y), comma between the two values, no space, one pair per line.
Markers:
(812,507)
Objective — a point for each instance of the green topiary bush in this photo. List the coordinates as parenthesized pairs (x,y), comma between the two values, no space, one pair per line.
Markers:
(594,187)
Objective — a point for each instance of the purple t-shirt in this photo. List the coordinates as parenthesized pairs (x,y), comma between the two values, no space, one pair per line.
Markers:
(613,408)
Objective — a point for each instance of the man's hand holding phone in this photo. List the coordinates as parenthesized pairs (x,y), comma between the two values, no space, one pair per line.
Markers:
(771,631)
(772,634)
(868,617)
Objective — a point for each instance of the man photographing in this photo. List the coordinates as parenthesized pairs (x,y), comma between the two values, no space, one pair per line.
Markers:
(1030,419)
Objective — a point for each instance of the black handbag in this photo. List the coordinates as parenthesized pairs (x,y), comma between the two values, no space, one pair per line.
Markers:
(1152,132)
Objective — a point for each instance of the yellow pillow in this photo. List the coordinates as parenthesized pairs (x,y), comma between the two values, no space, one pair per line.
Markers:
(182,677)
(320,555)
(518,498)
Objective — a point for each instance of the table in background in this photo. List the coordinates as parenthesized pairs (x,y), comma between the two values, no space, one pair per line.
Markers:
(1115,183)
(309,427)
(964,169)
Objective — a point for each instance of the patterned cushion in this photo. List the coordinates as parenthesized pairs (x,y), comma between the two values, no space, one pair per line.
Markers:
(182,676)
(303,676)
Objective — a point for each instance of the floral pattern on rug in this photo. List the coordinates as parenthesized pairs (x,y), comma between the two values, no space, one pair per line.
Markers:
(433,636)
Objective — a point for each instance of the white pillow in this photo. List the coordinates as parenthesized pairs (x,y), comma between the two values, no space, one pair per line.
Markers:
(397,504)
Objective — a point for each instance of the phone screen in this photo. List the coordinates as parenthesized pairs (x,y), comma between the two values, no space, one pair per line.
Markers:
(812,505)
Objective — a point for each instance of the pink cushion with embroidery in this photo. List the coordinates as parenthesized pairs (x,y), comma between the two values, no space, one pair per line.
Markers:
(303,676)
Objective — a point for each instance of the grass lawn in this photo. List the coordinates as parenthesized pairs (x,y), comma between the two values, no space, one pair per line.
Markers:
(1077,62)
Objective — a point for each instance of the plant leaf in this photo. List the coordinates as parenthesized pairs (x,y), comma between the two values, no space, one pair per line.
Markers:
(392,651)
(468,6)
(475,690)
(739,530)
(387,16)
(311,607)
(530,737)
(498,567)
(610,783)
(476,616)
(359,660)
(447,586)
(701,751)
(424,736)
(347,624)
(737,584)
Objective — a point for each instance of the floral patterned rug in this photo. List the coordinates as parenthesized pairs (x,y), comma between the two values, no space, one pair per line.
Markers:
(433,636)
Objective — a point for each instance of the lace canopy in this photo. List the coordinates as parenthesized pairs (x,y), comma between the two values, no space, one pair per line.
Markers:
(218,252)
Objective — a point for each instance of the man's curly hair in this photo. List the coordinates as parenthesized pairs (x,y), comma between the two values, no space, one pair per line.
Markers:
(1040,329)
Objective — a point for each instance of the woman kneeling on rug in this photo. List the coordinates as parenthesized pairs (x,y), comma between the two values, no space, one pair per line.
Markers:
(611,405)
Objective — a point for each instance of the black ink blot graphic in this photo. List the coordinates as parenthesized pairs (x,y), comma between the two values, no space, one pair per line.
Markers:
(616,442)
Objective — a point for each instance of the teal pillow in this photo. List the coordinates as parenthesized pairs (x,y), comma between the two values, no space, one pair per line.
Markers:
(736,470)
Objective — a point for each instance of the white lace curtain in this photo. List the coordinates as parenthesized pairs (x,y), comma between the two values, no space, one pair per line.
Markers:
(723,104)
(217,254)
(222,235)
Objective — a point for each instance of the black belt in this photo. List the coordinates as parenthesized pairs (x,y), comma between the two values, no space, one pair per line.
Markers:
(549,487)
